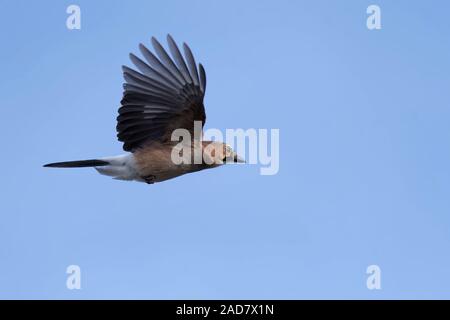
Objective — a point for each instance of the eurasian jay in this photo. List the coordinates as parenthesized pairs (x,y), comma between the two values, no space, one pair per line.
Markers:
(162,101)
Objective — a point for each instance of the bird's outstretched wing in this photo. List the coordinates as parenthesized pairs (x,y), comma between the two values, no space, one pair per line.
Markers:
(165,95)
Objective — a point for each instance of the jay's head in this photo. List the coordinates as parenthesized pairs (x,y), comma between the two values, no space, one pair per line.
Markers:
(218,153)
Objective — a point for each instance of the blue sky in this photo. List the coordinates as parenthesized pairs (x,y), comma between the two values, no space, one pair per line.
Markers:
(364,153)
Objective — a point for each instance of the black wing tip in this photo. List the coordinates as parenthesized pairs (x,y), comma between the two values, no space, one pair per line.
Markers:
(154,40)
(132,58)
(132,55)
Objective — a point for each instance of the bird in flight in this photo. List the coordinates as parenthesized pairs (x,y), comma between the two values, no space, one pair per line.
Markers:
(164,97)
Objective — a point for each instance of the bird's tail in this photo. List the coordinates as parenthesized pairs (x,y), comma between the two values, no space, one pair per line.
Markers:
(119,167)
(78,164)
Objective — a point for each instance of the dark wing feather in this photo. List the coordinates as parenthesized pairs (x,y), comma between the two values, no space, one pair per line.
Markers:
(176,54)
(202,78)
(167,61)
(165,95)
(192,65)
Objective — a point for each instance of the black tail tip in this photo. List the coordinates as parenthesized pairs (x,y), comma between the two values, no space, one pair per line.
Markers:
(77,164)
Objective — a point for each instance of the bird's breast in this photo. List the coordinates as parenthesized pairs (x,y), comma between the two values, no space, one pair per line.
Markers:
(156,160)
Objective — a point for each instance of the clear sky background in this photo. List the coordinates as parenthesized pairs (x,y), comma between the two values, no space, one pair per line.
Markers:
(364,153)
